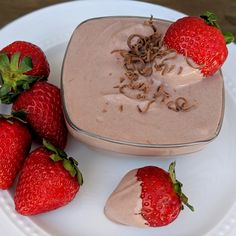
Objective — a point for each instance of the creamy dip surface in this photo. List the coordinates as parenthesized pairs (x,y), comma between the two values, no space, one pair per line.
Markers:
(92,76)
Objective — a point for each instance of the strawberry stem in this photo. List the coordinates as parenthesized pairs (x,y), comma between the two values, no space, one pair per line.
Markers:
(211,19)
(69,163)
(178,187)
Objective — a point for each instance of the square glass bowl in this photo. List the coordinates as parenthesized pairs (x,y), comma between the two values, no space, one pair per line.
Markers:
(92,107)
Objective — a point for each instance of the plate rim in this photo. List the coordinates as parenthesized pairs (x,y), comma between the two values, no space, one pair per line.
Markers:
(27,226)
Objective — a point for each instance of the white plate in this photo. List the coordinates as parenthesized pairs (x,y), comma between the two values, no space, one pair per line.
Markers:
(208,175)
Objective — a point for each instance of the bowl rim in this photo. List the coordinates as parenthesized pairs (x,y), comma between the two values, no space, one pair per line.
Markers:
(128,143)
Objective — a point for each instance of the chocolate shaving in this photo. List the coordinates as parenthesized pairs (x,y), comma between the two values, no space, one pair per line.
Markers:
(158,92)
(165,96)
(140,96)
(140,86)
(139,109)
(171,105)
(121,88)
(180,70)
(137,213)
(150,23)
(147,106)
(146,72)
(170,58)
(121,108)
(122,79)
(129,66)
(171,68)
(165,70)
(159,67)
(138,43)
(180,104)
(119,50)
(131,75)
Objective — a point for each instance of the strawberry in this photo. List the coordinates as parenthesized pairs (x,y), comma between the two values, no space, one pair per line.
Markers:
(151,196)
(21,63)
(161,195)
(48,180)
(201,39)
(42,103)
(15,142)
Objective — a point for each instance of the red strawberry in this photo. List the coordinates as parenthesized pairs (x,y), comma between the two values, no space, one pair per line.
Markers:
(21,63)
(15,142)
(48,180)
(200,39)
(161,195)
(42,103)
(147,196)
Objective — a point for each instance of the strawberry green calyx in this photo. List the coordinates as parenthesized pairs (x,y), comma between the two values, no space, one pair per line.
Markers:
(69,163)
(13,79)
(178,187)
(211,19)
(229,38)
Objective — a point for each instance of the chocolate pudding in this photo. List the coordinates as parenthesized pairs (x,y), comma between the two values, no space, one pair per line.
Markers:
(166,108)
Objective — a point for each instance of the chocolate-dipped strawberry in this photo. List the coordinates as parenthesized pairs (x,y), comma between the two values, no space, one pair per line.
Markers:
(147,197)
(201,40)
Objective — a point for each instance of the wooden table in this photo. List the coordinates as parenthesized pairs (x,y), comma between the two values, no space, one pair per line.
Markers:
(225,9)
